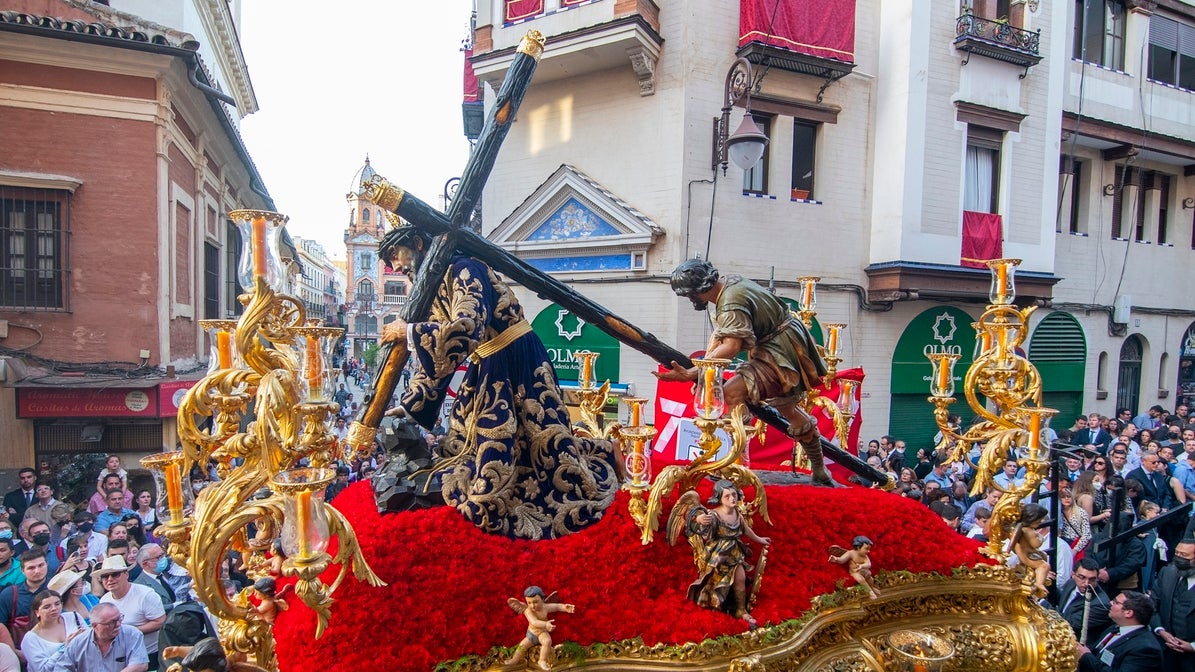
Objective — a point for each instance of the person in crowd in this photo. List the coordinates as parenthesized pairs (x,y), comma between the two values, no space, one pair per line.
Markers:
(924,466)
(1155,546)
(17,501)
(337,486)
(1184,473)
(114,512)
(1093,435)
(1130,558)
(16,601)
(981,529)
(72,587)
(1007,478)
(1074,526)
(146,512)
(10,566)
(990,497)
(99,501)
(1082,592)
(1074,468)
(1174,621)
(1118,459)
(139,606)
(52,629)
(1128,646)
(109,646)
(43,503)
(132,526)
(1150,419)
(959,495)
(154,563)
(96,543)
(937,474)
(41,541)
(112,467)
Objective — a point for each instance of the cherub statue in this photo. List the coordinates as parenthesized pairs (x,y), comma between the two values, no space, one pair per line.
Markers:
(716,536)
(536,612)
(269,601)
(857,561)
(1026,544)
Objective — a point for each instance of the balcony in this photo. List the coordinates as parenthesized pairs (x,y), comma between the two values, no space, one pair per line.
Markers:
(998,40)
(395,300)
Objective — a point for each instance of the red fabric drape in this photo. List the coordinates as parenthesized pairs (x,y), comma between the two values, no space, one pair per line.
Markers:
(982,238)
(470,82)
(823,28)
(573,3)
(674,403)
(523,9)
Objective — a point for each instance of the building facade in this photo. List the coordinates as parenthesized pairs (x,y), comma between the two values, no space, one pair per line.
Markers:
(121,161)
(316,285)
(907,141)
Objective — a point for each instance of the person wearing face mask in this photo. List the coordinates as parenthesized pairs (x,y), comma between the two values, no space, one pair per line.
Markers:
(1174,621)
(10,567)
(153,562)
(97,544)
(40,541)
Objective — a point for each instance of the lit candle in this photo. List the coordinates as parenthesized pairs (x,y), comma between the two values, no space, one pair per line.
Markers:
(1034,431)
(987,341)
(302,515)
(586,369)
(259,247)
(224,349)
(832,345)
(174,492)
(943,373)
(848,392)
(1001,279)
(315,365)
(807,295)
(635,418)
(708,399)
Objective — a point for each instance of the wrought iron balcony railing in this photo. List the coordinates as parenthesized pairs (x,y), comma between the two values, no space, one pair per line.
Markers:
(998,40)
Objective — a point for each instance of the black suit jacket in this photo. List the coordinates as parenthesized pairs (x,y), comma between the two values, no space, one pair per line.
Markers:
(15,500)
(1097,618)
(1153,486)
(1164,591)
(1138,651)
(1100,439)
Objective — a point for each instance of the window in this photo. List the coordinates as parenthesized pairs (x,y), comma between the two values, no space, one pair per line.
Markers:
(211,281)
(981,179)
(804,156)
(232,286)
(755,179)
(1069,190)
(365,215)
(1099,32)
(1162,184)
(34,226)
(395,289)
(1171,52)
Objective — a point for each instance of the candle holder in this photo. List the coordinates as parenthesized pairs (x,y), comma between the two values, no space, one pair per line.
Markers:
(305,530)
(315,344)
(638,469)
(635,407)
(260,230)
(807,303)
(591,401)
(223,353)
(943,360)
(1003,288)
(833,329)
(709,400)
(916,651)
(586,378)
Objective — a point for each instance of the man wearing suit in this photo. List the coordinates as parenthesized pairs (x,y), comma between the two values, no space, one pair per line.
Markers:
(152,560)
(1071,602)
(1128,646)
(16,501)
(1094,435)
(1174,622)
(1155,486)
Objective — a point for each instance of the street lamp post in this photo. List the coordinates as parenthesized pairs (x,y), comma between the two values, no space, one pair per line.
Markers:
(745,146)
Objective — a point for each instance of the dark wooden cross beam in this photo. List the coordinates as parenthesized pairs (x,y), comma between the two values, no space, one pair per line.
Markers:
(452,234)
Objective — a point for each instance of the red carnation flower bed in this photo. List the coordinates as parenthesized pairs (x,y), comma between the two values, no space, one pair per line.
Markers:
(448,582)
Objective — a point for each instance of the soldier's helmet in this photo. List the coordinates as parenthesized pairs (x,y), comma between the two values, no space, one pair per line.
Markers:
(693,277)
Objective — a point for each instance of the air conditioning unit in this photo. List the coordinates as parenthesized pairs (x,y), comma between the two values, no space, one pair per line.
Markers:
(1122,308)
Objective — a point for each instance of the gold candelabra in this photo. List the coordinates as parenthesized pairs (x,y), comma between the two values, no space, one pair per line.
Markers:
(274,357)
(1012,384)
(710,404)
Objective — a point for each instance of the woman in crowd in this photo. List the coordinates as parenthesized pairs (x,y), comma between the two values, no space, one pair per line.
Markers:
(1074,528)
(132,523)
(76,598)
(907,481)
(1092,497)
(53,629)
(145,510)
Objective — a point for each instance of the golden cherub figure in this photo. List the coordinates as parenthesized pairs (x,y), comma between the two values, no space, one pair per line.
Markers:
(1026,544)
(536,611)
(270,601)
(857,561)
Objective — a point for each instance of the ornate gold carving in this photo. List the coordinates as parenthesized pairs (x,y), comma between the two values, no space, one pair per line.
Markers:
(532,44)
(383,194)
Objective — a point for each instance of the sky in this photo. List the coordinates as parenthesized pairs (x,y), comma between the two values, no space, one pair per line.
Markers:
(335,82)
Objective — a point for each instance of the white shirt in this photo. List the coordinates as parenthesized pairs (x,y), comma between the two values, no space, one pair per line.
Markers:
(139,606)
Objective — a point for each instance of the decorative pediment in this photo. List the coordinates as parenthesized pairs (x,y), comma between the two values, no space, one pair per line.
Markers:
(572,224)
(363,239)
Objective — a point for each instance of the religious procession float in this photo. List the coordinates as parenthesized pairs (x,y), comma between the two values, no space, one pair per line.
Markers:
(528,541)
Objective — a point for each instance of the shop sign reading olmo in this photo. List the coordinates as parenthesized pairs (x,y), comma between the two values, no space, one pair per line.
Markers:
(564,335)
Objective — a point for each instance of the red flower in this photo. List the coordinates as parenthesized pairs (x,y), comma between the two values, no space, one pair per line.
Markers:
(448,582)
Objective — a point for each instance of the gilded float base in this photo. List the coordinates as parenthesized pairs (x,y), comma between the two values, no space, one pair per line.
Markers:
(985,612)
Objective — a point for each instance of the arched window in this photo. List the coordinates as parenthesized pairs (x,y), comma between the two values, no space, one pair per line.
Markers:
(365,216)
(1128,382)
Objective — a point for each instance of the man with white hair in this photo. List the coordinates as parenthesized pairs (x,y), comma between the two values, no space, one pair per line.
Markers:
(109,646)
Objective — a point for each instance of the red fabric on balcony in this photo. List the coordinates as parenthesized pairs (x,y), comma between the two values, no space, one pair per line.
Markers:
(982,238)
(523,9)
(822,28)
(470,84)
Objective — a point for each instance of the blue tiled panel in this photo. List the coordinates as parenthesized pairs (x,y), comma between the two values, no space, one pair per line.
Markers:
(606,262)
(572,221)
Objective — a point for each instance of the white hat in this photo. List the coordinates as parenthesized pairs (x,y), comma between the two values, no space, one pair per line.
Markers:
(112,565)
(64,581)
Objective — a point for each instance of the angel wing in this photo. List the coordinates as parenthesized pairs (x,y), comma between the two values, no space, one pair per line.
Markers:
(552,598)
(837,551)
(678,519)
(518,606)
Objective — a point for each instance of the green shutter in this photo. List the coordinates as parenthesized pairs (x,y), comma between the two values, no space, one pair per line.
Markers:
(1058,348)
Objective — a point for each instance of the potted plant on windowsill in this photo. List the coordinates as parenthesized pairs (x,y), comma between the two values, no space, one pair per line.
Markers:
(800,194)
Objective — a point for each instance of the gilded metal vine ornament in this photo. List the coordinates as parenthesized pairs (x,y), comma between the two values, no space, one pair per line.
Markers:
(274,357)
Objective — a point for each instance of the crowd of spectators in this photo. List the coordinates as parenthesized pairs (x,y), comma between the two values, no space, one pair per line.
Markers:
(1110,476)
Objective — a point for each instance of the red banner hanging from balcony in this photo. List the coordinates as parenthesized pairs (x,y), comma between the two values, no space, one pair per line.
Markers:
(983,238)
(822,28)
(471,86)
(518,10)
